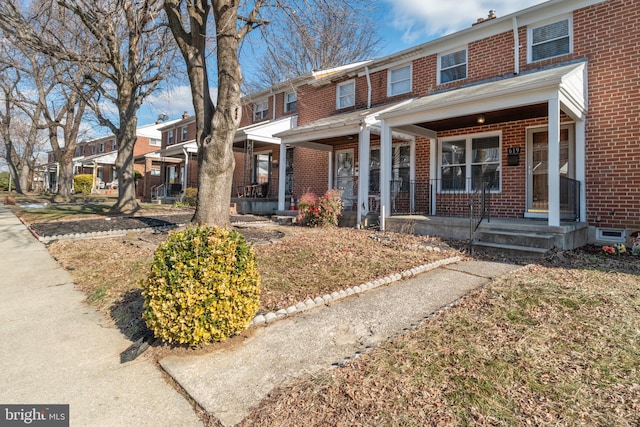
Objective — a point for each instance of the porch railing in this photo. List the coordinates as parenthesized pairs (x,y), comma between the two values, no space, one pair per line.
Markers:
(570,198)
(479,209)
(158,192)
(409,197)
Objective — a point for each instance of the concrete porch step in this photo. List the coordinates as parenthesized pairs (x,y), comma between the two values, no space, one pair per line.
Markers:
(509,251)
(517,238)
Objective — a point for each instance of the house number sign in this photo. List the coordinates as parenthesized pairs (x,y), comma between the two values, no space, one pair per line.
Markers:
(513,150)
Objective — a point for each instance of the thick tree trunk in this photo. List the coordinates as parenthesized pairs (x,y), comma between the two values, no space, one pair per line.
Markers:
(127,202)
(65,179)
(215,155)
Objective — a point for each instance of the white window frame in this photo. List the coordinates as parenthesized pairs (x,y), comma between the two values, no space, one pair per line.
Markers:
(340,97)
(114,145)
(170,137)
(392,83)
(290,105)
(260,110)
(465,63)
(155,142)
(155,171)
(555,20)
(101,148)
(468,163)
(93,149)
(185,133)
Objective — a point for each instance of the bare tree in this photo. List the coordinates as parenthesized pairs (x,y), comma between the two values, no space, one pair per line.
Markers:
(311,35)
(130,53)
(20,137)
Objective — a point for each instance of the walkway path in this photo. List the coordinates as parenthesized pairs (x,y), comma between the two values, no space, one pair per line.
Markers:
(56,350)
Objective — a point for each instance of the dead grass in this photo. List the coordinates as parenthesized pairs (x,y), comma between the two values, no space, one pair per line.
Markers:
(306,263)
(547,346)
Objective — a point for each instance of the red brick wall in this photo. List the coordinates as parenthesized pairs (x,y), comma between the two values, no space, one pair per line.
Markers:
(310,168)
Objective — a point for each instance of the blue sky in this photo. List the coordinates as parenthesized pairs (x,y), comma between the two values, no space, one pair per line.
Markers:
(403,24)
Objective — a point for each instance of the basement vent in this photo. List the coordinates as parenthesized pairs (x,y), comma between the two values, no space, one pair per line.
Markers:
(614,235)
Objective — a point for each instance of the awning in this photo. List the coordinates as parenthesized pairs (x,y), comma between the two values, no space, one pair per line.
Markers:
(335,126)
(264,132)
(564,82)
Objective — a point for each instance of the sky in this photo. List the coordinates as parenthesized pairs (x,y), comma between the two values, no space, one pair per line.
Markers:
(404,23)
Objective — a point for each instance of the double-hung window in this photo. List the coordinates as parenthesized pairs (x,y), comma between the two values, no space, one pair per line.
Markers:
(185,133)
(467,162)
(399,80)
(170,137)
(346,94)
(290,102)
(452,66)
(550,40)
(400,167)
(260,111)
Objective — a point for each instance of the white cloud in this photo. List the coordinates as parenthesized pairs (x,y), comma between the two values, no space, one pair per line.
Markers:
(417,18)
(172,102)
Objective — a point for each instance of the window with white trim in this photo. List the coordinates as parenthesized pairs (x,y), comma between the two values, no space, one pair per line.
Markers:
(155,171)
(185,133)
(260,110)
(346,94)
(170,137)
(466,162)
(155,142)
(399,80)
(114,145)
(290,101)
(101,150)
(549,40)
(93,149)
(452,66)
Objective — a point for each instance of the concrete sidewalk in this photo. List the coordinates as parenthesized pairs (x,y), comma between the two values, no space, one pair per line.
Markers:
(56,350)
(228,382)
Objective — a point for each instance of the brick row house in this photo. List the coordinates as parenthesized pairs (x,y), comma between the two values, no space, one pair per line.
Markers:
(526,123)
(481,115)
(97,157)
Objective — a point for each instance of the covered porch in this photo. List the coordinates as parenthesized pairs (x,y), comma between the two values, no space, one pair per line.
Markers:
(492,151)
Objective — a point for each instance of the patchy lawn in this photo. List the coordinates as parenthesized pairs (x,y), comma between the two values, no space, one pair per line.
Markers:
(546,347)
(295,263)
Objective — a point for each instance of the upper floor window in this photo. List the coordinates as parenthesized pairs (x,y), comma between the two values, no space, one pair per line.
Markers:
(102,147)
(260,111)
(170,137)
(399,80)
(346,94)
(185,133)
(155,142)
(290,101)
(114,145)
(93,149)
(452,66)
(549,40)
(467,162)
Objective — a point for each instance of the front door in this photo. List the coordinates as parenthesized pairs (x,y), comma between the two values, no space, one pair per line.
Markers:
(538,167)
(344,176)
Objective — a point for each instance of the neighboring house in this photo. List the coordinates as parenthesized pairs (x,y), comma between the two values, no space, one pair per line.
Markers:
(97,157)
(481,115)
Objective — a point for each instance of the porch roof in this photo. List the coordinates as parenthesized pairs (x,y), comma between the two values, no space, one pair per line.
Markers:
(265,131)
(103,159)
(335,126)
(565,82)
(176,149)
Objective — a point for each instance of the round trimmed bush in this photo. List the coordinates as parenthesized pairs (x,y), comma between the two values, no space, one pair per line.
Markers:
(203,286)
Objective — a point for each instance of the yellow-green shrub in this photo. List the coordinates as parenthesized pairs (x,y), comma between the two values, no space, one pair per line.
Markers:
(82,183)
(190,196)
(203,286)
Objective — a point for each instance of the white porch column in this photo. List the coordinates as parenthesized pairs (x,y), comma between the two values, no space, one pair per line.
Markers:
(186,169)
(581,160)
(433,174)
(330,177)
(553,164)
(385,172)
(364,142)
(282,176)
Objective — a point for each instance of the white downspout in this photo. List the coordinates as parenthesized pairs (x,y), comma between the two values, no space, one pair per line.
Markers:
(516,47)
(274,106)
(366,69)
(282,176)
